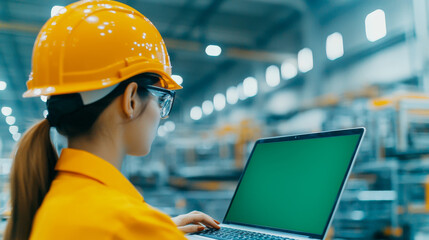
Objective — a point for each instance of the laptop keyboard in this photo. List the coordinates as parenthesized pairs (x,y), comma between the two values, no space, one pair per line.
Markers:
(231,233)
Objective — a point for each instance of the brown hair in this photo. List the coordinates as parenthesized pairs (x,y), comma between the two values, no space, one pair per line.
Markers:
(31,177)
(35,157)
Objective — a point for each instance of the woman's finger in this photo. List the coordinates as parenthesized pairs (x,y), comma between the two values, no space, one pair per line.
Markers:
(198,212)
(210,218)
(201,218)
(191,228)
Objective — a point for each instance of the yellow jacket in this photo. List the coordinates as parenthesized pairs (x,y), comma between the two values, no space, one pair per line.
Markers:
(91,199)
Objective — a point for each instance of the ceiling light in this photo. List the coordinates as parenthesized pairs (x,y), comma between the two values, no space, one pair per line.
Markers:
(6,111)
(3,85)
(162,131)
(375,25)
(240,91)
(305,60)
(272,76)
(177,78)
(232,95)
(219,101)
(13,129)
(250,86)
(334,46)
(289,69)
(10,120)
(196,113)
(170,126)
(16,136)
(213,50)
(207,107)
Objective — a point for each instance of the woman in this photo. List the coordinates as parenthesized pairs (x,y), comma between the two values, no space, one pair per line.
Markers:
(106,71)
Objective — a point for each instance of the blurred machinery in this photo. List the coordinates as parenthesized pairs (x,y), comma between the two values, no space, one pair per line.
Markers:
(386,196)
(375,81)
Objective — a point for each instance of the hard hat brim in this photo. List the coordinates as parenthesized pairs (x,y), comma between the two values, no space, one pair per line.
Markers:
(165,82)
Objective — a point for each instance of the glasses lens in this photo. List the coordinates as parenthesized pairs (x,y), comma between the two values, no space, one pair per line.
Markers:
(165,101)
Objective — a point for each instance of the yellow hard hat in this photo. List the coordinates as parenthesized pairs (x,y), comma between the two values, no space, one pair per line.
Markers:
(90,45)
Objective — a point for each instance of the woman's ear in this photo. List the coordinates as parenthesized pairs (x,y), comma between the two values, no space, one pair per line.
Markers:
(129,100)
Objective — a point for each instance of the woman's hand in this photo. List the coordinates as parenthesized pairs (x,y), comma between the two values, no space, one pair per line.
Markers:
(195,222)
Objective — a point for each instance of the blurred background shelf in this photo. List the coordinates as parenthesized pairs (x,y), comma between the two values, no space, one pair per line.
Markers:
(314,65)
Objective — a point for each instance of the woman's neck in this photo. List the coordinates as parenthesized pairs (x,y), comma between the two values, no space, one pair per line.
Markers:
(104,147)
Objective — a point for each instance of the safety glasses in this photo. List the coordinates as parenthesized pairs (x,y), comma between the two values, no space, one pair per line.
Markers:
(165,99)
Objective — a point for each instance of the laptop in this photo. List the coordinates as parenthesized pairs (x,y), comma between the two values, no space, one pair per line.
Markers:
(290,187)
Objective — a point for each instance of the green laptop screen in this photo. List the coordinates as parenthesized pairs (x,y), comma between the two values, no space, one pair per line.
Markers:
(293,185)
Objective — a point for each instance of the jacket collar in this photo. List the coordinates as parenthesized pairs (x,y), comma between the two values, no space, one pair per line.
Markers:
(92,166)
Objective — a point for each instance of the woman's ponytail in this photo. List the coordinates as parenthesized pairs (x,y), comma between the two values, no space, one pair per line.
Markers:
(35,157)
(32,173)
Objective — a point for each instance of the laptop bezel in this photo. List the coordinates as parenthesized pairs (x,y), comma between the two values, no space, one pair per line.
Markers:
(335,133)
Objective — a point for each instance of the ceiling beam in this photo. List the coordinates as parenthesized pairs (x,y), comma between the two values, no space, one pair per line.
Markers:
(15,72)
(281,26)
(230,52)
(179,17)
(9,48)
(298,5)
(262,40)
(203,18)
